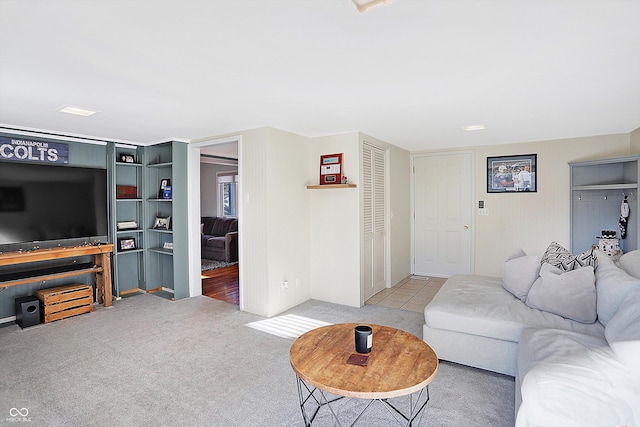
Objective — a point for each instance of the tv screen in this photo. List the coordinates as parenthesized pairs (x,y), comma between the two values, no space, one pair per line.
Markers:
(47,202)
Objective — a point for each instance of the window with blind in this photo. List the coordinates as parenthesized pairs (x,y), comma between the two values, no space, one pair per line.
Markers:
(227,193)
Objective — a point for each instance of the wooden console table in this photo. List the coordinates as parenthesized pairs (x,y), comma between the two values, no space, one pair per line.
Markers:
(101,267)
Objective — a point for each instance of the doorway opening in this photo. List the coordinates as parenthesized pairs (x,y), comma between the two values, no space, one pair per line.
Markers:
(217,213)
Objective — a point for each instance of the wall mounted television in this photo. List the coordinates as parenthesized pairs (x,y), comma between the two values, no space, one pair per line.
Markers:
(40,202)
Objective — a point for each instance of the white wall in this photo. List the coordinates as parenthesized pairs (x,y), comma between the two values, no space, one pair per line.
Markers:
(274,226)
(334,218)
(252,227)
(532,221)
(288,231)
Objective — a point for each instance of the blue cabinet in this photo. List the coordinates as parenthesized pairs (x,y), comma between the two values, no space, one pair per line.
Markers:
(597,190)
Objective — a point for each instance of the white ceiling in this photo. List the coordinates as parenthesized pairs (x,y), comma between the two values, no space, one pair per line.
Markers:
(410,73)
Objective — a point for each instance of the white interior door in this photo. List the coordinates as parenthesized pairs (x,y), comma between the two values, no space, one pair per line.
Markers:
(442,218)
(375,221)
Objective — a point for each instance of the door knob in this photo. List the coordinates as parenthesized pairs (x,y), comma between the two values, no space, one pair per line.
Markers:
(466,226)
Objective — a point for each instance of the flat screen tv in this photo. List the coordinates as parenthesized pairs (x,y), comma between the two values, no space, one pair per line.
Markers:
(51,202)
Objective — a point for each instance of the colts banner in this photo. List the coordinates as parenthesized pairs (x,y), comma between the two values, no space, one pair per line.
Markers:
(35,151)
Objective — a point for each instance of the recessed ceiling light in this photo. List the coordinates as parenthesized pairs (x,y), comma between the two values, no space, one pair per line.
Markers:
(364,5)
(472,127)
(77,111)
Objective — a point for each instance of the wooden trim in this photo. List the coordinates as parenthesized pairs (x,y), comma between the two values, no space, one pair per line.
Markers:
(131,291)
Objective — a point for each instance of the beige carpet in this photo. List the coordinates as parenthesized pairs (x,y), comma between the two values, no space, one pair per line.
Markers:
(193,362)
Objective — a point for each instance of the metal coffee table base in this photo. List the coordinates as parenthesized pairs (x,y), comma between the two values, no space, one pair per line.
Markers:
(312,399)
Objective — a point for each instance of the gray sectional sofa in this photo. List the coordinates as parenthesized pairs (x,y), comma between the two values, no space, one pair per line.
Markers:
(567,372)
(219,238)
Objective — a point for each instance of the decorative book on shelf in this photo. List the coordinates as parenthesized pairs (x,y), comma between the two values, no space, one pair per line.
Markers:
(166,193)
(126,192)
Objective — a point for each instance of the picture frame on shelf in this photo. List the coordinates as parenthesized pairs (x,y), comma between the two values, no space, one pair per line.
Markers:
(162,223)
(512,174)
(127,158)
(127,244)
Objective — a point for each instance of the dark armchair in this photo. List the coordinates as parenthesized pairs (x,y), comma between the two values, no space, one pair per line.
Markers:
(219,238)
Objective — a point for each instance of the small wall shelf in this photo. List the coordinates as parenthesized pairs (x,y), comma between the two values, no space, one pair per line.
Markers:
(327,186)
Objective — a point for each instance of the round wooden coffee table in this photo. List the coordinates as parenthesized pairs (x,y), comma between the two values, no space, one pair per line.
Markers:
(399,364)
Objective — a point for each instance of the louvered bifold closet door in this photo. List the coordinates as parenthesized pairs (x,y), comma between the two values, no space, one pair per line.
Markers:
(374,221)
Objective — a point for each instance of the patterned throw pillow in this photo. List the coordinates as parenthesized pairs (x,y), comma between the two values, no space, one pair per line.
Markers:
(560,257)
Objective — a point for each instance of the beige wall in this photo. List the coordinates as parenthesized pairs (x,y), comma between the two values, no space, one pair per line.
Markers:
(532,221)
(335,224)
(635,141)
(312,237)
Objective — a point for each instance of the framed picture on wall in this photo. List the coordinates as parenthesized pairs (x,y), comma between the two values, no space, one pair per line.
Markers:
(512,174)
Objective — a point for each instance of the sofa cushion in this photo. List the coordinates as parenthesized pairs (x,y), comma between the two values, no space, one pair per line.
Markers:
(630,262)
(560,257)
(613,284)
(623,332)
(479,305)
(214,242)
(570,294)
(519,273)
(570,379)
(218,226)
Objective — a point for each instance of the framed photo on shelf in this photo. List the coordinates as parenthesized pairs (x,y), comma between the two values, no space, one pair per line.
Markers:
(127,158)
(331,169)
(512,174)
(162,222)
(126,244)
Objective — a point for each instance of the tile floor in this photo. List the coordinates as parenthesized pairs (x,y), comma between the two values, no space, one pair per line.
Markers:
(412,294)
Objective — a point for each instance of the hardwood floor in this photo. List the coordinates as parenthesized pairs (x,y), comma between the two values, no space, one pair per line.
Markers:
(222,284)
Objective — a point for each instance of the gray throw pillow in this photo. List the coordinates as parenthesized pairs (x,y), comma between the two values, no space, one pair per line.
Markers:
(558,256)
(519,273)
(613,284)
(623,331)
(630,262)
(570,294)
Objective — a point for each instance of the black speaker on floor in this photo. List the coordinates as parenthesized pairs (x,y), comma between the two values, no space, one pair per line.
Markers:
(27,311)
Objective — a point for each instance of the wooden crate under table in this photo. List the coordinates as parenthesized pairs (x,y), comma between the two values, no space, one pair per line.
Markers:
(65,301)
